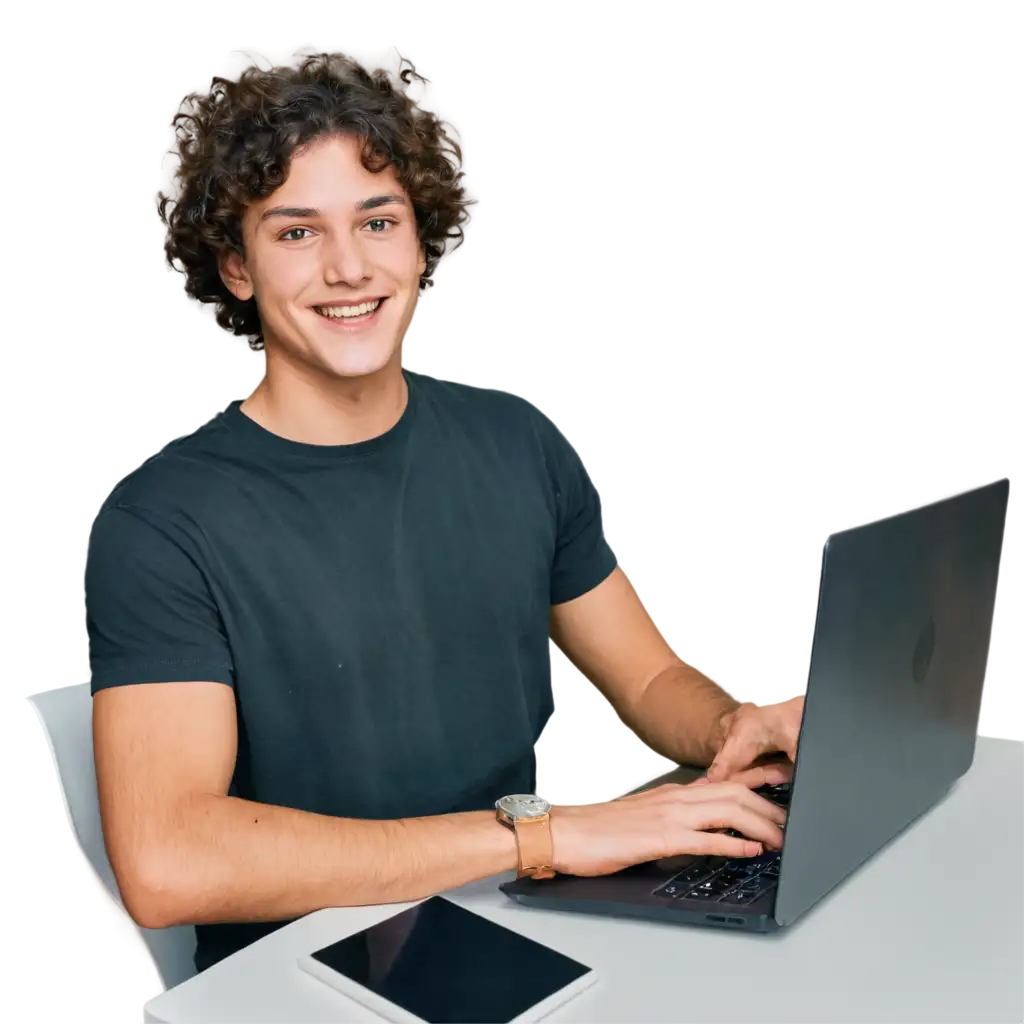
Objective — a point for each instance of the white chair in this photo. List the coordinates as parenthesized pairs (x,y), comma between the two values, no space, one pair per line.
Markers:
(66,717)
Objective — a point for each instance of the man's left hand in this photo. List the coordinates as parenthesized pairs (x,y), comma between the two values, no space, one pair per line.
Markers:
(751,731)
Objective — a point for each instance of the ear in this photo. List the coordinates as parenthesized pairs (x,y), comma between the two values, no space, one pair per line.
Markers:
(235,276)
(421,266)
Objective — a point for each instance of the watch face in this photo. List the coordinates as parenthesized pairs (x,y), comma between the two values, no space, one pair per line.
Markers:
(523,805)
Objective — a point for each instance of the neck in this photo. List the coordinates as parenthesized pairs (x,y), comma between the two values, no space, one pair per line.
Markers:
(341,411)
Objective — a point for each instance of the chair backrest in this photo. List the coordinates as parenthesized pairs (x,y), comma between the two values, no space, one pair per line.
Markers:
(66,717)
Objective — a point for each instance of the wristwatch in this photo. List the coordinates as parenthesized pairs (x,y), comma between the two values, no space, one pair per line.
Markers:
(528,815)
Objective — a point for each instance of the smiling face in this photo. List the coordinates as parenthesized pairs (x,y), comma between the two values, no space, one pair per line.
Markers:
(332,235)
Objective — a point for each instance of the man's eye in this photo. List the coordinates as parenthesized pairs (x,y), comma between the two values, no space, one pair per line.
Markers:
(290,231)
(380,220)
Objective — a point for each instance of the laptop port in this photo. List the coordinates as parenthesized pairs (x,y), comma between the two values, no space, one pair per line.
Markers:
(715,917)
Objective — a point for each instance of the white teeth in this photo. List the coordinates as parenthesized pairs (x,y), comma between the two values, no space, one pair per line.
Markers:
(347,311)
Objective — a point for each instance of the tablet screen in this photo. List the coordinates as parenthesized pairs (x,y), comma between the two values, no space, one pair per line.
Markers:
(442,962)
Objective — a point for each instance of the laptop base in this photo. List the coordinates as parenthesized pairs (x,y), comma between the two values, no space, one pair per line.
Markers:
(728,917)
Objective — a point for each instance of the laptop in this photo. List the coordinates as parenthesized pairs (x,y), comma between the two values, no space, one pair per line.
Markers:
(898,661)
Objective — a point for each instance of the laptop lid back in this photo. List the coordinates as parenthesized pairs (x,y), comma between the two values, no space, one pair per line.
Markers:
(897,665)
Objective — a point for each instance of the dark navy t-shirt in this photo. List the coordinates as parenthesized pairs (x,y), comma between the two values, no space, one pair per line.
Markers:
(380,609)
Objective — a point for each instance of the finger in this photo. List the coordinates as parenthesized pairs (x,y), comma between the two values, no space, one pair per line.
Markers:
(764,775)
(732,814)
(738,751)
(719,793)
(778,773)
(753,801)
(765,808)
(718,844)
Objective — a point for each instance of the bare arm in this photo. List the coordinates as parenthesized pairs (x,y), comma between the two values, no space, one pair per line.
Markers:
(608,635)
(184,852)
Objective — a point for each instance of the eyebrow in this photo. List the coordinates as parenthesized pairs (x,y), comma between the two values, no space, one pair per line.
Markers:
(311,211)
(375,201)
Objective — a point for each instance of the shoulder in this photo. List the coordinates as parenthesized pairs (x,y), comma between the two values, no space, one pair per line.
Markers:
(178,476)
(494,417)
(488,406)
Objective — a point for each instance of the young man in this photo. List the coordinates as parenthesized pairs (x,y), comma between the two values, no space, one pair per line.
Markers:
(345,584)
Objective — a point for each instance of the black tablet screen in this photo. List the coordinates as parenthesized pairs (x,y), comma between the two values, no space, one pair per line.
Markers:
(447,964)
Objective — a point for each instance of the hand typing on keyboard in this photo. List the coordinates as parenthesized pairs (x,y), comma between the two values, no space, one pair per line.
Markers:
(762,776)
(752,731)
(727,819)
(734,881)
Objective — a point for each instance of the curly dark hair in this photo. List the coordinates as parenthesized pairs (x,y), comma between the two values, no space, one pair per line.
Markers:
(235,145)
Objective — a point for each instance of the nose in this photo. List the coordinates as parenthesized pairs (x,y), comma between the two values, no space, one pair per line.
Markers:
(345,260)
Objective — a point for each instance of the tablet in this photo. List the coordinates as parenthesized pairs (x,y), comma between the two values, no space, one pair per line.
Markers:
(439,962)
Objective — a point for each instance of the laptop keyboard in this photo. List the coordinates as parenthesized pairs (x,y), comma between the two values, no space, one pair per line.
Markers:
(735,881)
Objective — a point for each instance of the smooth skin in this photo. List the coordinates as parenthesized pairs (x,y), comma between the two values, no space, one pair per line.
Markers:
(182,850)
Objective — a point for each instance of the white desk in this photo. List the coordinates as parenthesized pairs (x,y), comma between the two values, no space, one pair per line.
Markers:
(885,945)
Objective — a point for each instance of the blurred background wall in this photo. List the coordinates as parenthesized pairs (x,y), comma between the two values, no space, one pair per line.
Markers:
(765,273)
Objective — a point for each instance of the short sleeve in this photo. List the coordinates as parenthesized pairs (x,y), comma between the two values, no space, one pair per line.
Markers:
(583,558)
(149,612)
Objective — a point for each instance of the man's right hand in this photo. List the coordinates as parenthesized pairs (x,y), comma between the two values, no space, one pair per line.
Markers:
(671,819)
